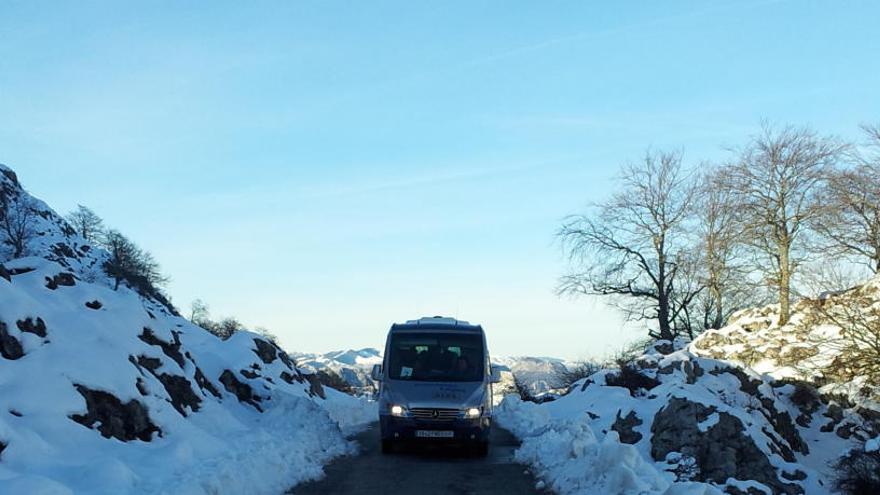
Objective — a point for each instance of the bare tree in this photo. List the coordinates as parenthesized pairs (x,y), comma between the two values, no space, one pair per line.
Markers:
(131,264)
(17,218)
(851,219)
(86,222)
(776,182)
(720,248)
(631,246)
(199,312)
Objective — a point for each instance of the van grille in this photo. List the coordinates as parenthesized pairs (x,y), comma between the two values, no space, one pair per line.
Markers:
(434,414)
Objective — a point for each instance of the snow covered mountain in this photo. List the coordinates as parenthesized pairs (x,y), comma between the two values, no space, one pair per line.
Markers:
(110,391)
(353,366)
(539,374)
(751,408)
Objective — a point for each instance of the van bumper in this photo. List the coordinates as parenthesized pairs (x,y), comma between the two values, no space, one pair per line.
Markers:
(464,430)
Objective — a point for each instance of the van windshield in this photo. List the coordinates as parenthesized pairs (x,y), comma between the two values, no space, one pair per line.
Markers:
(436,357)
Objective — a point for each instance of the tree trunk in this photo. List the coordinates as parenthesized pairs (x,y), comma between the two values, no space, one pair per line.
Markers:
(784,284)
(719,310)
(663,317)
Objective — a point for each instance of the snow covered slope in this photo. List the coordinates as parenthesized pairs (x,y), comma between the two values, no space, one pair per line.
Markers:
(750,408)
(811,347)
(109,391)
(678,418)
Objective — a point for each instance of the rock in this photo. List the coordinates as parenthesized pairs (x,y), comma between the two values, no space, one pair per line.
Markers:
(11,176)
(315,386)
(37,327)
(10,347)
(286,359)
(249,374)
(5,274)
(624,427)
(783,425)
(171,349)
(723,451)
(664,347)
(289,378)
(179,389)
(63,279)
(242,391)
(124,422)
(690,369)
(266,351)
(62,250)
(747,384)
(142,387)
(205,384)
(94,305)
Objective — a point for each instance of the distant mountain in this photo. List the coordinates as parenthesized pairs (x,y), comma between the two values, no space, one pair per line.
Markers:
(353,366)
(539,374)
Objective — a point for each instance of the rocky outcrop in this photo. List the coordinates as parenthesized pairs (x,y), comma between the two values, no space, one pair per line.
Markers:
(10,347)
(171,349)
(205,384)
(265,351)
(113,418)
(63,279)
(36,327)
(624,427)
(719,445)
(178,388)
(242,391)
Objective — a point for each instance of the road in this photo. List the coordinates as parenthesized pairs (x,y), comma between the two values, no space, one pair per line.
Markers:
(426,471)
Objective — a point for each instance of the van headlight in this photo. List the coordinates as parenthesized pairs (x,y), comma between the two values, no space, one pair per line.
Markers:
(398,411)
(472,413)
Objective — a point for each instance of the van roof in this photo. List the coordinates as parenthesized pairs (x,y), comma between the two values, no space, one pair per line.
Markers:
(436,323)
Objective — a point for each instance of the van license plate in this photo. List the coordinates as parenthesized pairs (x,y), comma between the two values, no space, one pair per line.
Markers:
(434,434)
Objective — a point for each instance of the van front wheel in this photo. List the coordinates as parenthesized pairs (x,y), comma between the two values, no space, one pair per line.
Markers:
(387,446)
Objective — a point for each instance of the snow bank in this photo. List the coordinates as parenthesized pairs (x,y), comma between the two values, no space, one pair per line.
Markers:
(679,423)
(567,453)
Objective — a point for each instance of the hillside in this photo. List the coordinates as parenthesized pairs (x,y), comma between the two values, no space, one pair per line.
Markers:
(749,408)
(110,391)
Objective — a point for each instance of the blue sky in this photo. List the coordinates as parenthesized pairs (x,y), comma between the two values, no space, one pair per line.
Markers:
(325,168)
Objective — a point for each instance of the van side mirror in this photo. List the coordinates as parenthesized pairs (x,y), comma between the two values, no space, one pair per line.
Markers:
(495,376)
(376,373)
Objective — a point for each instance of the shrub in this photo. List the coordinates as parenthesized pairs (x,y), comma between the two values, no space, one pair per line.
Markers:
(571,374)
(858,473)
(631,378)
